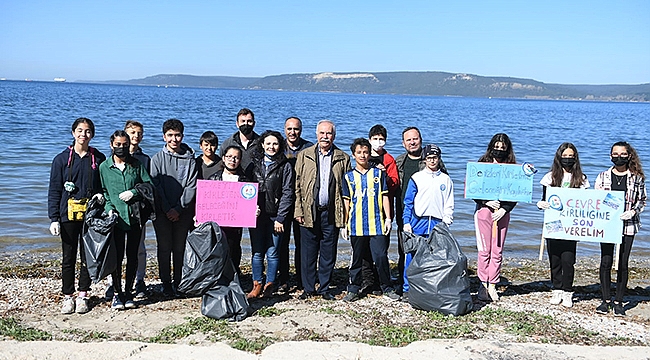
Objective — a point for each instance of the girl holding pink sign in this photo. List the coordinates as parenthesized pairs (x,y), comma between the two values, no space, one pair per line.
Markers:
(491,220)
(565,172)
(626,175)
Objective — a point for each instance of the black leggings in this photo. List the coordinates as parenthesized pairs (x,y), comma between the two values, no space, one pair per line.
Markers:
(606,259)
(562,258)
(132,245)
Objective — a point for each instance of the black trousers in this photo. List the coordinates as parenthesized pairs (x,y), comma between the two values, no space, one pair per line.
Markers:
(71,232)
(606,260)
(283,274)
(233,237)
(377,248)
(130,238)
(562,258)
(318,245)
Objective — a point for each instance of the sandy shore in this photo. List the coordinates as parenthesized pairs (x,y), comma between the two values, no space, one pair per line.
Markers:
(520,326)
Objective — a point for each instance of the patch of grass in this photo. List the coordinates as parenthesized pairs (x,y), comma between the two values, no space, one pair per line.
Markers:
(268,311)
(44,269)
(203,324)
(86,336)
(331,311)
(11,328)
(395,336)
(253,345)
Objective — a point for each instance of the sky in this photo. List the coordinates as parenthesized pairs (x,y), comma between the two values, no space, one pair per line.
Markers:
(567,42)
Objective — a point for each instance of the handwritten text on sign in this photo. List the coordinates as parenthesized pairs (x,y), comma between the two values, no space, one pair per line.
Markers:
(231,204)
(584,215)
(490,181)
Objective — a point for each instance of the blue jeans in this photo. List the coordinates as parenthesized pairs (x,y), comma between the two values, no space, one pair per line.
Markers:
(265,241)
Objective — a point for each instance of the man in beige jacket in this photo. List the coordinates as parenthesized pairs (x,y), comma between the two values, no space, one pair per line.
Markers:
(319,208)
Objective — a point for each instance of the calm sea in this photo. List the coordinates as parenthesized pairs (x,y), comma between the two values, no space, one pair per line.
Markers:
(36,119)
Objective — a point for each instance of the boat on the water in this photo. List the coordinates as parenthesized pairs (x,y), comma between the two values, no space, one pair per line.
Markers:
(59,79)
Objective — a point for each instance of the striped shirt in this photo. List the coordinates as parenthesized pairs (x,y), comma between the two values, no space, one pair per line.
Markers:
(365,192)
(635,197)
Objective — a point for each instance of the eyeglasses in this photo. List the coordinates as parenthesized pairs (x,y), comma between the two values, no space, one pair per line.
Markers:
(231,157)
(621,155)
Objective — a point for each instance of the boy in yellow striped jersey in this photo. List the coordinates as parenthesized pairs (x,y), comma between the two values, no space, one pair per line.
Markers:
(366,206)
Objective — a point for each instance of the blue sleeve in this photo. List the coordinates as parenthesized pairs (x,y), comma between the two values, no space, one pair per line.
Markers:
(409,198)
(345,187)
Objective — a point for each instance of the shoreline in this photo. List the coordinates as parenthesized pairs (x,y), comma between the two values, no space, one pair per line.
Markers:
(522,323)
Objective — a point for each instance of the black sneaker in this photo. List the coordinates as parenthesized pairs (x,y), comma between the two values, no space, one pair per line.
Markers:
(140,290)
(110,292)
(351,296)
(128,301)
(117,303)
(405,297)
(603,308)
(168,290)
(327,296)
(306,295)
(618,309)
(391,294)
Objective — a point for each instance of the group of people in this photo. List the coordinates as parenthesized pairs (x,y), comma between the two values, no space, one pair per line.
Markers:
(313,190)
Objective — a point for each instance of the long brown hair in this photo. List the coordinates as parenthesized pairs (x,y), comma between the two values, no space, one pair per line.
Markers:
(634,163)
(500,137)
(557,171)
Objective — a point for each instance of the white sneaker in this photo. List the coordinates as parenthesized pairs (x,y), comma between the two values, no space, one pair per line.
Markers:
(483,293)
(82,305)
(492,291)
(68,305)
(556,297)
(567,299)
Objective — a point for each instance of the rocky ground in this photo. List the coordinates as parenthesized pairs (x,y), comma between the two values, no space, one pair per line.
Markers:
(30,310)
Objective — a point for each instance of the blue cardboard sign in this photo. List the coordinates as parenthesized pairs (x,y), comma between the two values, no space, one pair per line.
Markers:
(584,215)
(492,181)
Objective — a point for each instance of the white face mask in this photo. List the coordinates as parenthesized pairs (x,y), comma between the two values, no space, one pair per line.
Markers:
(377,145)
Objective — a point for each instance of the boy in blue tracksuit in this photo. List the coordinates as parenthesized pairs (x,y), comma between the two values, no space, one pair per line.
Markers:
(429,199)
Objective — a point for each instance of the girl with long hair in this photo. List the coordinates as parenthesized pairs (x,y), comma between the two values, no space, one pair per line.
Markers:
(626,175)
(565,172)
(491,220)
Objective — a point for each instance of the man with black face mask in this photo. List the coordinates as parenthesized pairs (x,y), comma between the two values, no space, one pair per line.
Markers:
(244,137)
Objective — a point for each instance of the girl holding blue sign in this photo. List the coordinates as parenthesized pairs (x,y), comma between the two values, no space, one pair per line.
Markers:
(565,172)
(626,175)
(491,220)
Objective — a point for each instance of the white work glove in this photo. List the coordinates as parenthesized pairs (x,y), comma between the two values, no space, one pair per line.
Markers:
(55,228)
(493,204)
(126,195)
(388,225)
(543,205)
(344,234)
(407,228)
(99,198)
(627,215)
(111,212)
(258,211)
(497,215)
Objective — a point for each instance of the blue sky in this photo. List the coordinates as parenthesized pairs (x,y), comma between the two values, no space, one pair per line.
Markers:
(570,42)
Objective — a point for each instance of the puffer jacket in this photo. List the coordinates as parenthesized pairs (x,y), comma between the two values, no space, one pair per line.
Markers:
(308,182)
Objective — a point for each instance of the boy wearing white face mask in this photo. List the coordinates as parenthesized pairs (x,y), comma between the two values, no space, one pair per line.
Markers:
(382,160)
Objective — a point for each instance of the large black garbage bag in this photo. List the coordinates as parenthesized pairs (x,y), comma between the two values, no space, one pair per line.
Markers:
(209,271)
(99,246)
(437,275)
(225,302)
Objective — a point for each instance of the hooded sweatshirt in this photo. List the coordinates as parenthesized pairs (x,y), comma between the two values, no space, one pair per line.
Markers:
(174,176)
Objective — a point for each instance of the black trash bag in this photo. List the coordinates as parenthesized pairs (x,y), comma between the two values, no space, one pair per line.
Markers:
(437,275)
(209,271)
(225,302)
(99,246)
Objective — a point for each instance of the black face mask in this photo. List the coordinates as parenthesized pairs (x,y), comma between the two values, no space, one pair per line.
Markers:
(499,154)
(620,161)
(121,152)
(246,129)
(567,163)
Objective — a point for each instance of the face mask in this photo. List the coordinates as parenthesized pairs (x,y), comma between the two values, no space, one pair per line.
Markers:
(620,161)
(121,152)
(246,129)
(377,145)
(498,154)
(567,163)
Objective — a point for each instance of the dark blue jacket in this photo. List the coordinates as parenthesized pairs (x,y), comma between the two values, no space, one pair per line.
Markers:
(84,173)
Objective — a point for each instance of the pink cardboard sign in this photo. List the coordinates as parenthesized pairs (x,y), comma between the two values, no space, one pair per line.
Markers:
(230,204)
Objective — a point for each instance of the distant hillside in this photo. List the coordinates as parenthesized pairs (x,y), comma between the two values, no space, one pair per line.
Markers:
(409,83)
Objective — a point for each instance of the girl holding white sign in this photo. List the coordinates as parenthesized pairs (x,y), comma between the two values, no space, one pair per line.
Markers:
(491,220)
(626,175)
(565,172)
